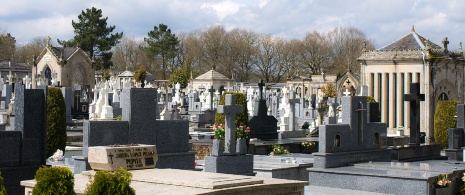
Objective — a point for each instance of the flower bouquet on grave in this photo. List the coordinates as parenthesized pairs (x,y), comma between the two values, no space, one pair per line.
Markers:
(308,145)
(443,181)
(242,132)
(219,130)
(277,150)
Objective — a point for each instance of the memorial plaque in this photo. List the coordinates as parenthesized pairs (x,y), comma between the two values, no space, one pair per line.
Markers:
(129,157)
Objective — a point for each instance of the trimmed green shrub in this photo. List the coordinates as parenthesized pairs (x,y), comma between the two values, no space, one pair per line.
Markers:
(115,183)
(242,118)
(56,121)
(55,180)
(2,186)
(444,118)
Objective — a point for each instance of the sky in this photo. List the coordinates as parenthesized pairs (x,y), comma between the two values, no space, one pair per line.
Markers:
(383,21)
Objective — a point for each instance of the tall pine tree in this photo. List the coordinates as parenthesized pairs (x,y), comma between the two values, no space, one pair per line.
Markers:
(94,36)
(162,45)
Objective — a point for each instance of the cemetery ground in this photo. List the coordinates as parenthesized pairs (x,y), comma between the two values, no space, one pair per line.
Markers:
(352,155)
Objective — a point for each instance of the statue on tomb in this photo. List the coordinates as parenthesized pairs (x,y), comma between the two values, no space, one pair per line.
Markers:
(331,110)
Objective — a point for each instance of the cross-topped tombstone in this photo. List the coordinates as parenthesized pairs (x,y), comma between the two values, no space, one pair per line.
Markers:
(230,109)
(260,87)
(414,98)
(211,90)
(292,102)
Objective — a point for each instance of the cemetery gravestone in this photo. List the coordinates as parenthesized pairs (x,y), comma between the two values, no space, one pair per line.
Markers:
(355,140)
(233,159)
(456,136)
(414,151)
(23,149)
(261,125)
(139,125)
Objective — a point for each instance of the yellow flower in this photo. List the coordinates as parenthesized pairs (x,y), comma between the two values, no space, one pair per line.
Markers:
(440,183)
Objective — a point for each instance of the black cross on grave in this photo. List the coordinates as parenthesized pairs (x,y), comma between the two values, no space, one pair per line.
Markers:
(230,109)
(360,120)
(211,90)
(414,98)
(261,84)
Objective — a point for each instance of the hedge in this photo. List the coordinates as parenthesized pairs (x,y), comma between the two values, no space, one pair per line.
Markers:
(242,118)
(115,183)
(56,121)
(55,180)
(444,118)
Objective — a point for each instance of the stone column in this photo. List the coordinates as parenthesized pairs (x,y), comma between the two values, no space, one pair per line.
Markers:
(384,97)
(400,99)
(407,81)
(370,83)
(375,87)
(414,77)
(392,101)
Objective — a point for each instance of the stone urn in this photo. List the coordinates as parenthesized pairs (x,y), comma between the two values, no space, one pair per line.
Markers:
(129,157)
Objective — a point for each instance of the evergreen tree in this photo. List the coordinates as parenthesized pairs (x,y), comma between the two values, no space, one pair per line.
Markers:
(163,45)
(56,121)
(94,36)
(7,46)
(181,75)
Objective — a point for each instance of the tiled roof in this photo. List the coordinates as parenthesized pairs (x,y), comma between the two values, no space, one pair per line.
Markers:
(4,65)
(411,41)
(212,75)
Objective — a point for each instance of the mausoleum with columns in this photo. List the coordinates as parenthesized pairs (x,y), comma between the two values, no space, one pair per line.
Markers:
(388,72)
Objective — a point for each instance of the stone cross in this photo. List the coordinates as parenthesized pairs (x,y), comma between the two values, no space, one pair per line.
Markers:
(211,90)
(230,109)
(414,98)
(260,87)
(292,102)
(27,81)
(347,92)
(445,42)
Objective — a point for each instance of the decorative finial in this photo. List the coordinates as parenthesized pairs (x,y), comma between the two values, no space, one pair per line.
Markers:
(460,46)
(191,75)
(48,41)
(413,28)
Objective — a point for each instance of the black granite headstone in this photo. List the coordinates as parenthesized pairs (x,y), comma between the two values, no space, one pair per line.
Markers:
(262,126)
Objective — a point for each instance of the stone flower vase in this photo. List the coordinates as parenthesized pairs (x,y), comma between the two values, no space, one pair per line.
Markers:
(217,147)
(241,146)
(444,191)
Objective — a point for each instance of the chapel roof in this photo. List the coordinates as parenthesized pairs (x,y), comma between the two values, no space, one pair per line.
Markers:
(411,41)
(66,52)
(212,75)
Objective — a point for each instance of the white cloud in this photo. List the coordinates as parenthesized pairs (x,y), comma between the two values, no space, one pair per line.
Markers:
(222,9)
